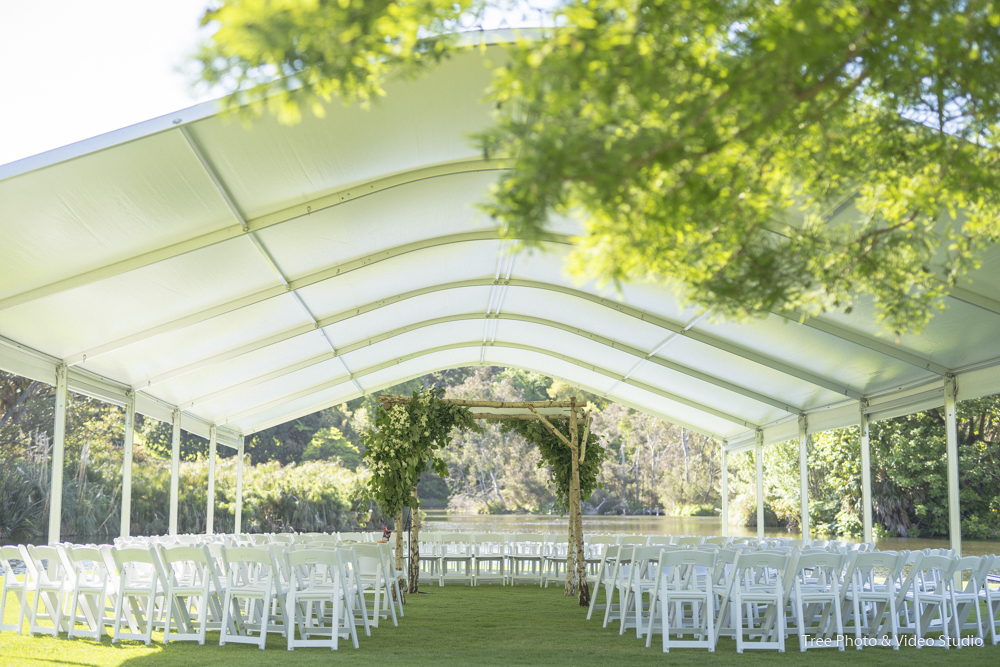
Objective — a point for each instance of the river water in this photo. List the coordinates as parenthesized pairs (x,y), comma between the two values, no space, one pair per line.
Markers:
(440,520)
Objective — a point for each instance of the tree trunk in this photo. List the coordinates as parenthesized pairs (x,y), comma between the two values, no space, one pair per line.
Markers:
(583,590)
(570,589)
(414,567)
(399,553)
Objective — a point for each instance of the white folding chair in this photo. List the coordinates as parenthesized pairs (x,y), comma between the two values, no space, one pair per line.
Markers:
(556,550)
(90,577)
(640,585)
(965,598)
(685,598)
(604,580)
(527,559)
(253,577)
(490,558)
(347,561)
(52,586)
(192,587)
(457,558)
(990,595)
(14,587)
(816,599)
(374,579)
(315,583)
(619,578)
(389,565)
(870,587)
(142,584)
(762,585)
(933,588)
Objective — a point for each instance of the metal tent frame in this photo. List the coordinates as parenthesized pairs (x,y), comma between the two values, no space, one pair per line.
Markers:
(226,281)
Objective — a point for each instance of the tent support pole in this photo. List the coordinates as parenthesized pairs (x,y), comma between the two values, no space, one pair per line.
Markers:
(725,493)
(758,455)
(175,467)
(213,435)
(866,474)
(804,476)
(951,445)
(239,488)
(58,456)
(126,519)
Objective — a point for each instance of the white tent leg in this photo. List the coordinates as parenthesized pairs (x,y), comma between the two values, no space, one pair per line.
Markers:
(866,476)
(126,522)
(951,445)
(175,465)
(725,493)
(58,456)
(804,476)
(239,489)
(758,454)
(210,510)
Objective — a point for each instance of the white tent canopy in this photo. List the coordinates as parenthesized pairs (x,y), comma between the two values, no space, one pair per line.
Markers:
(236,279)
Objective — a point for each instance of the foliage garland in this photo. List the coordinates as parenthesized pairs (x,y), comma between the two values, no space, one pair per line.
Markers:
(403,441)
(558,456)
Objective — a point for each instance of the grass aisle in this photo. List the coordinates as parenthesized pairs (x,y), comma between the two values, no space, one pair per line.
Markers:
(458,625)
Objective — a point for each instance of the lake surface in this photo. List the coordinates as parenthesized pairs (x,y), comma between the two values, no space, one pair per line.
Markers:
(440,520)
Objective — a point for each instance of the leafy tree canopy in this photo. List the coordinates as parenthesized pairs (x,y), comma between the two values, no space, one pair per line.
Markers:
(706,143)
(329,443)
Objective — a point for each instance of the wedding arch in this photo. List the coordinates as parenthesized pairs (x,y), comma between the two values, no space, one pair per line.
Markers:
(409,431)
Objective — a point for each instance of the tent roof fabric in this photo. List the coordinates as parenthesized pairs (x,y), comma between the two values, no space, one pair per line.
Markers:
(248,278)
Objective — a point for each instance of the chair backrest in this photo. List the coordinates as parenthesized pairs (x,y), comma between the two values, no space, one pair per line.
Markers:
(934,572)
(528,544)
(688,569)
(641,540)
(139,567)
(819,568)
(690,541)
(311,566)
(47,564)
(973,566)
(767,569)
(868,568)
(88,566)
(369,559)
(6,555)
(660,540)
(718,539)
(189,566)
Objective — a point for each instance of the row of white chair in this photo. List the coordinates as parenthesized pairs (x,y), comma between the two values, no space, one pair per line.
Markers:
(816,594)
(245,592)
(541,559)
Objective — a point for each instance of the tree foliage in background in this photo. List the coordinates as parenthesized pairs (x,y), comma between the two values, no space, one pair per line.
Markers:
(705,143)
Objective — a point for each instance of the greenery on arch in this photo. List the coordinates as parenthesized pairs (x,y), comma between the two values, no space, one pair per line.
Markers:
(404,441)
(558,457)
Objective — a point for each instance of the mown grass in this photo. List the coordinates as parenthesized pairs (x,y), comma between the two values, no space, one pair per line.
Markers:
(458,625)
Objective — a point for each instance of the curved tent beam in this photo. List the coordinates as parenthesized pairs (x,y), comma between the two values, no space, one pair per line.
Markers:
(517,346)
(395,381)
(628,349)
(243,227)
(272,292)
(662,323)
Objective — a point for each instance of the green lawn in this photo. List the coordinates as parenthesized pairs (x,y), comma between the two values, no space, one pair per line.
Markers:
(458,625)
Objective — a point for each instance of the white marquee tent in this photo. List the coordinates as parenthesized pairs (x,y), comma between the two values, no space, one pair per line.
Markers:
(228,280)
